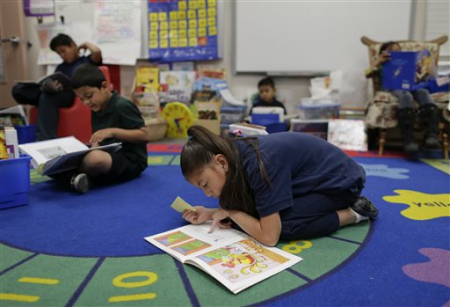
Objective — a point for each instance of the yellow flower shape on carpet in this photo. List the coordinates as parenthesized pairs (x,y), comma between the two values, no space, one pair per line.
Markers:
(422,206)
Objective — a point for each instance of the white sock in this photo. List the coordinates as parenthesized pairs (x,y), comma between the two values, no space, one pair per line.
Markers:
(359,217)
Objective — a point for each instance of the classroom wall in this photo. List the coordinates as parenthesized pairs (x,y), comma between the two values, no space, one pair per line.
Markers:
(292,88)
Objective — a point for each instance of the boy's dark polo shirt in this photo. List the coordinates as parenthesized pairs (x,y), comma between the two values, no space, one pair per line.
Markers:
(122,113)
(68,69)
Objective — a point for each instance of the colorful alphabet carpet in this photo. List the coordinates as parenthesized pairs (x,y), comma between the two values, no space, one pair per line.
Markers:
(65,249)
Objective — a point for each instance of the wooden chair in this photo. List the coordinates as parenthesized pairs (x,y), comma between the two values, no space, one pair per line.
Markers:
(382,108)
(76,119)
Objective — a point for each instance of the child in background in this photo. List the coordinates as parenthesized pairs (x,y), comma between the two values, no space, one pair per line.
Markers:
(283,186)
(266,98)
(52,96)
(428,110)
(114,119)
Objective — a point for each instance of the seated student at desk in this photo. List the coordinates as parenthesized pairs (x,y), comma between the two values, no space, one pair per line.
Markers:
(266,98)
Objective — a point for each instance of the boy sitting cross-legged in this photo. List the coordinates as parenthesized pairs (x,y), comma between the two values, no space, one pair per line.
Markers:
(114,119)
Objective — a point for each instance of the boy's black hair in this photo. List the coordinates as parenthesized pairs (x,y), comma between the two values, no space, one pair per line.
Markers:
(61,40)
(386,45)
(87,75)
(266,81)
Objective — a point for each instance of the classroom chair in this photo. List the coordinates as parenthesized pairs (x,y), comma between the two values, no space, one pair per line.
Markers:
(76,119)
(382,108)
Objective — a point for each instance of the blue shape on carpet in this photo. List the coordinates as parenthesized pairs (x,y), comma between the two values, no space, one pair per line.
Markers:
(107,221)
(383,170)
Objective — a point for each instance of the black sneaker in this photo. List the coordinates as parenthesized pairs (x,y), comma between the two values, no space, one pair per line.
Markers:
(365,207)
(81,183)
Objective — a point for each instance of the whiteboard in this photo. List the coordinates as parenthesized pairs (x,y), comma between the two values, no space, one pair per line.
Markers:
(307,37)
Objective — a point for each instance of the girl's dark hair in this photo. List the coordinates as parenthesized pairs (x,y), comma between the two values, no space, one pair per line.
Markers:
(199,152)
(87,75)
(386,45)
(61,40)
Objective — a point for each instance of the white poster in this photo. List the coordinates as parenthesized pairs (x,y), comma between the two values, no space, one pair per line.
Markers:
(80,32)
(347,134)
(45,34)
(117,31)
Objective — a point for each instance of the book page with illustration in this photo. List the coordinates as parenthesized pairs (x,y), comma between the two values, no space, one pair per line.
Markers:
(44,151)
(230,256)
(58,155)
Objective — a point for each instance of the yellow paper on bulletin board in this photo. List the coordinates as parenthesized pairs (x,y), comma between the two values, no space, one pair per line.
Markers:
(148,76)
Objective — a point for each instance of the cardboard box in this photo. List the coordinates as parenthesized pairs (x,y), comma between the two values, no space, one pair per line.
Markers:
(212,125)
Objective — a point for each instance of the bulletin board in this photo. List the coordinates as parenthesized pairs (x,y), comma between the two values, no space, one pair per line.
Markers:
(182,30)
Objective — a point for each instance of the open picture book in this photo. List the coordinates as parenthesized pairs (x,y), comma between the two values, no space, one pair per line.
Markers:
(59,155)
(244,129)
(62,80)
(408,70)
(228,255)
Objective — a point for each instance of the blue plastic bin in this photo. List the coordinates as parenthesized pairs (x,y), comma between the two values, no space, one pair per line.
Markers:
(26,134)
(276,127)
(14,182)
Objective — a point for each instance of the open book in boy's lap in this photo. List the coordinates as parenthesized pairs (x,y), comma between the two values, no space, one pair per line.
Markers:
(230,256)
(52,83)
(59,155)
(28,92)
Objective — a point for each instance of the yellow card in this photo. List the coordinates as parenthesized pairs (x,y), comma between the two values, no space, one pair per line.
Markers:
(183,42)
(180,205)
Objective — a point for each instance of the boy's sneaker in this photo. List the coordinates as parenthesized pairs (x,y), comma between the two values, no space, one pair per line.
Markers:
(80,183)
(365,207)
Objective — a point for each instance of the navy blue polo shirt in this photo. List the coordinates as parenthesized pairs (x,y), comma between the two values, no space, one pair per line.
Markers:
(296,164)
(119,112)
(68,68)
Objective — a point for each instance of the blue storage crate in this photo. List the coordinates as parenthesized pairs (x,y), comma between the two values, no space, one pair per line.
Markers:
(277,127)
(231,115)
(14,182)
(265,119)
(26,133)
(320,111)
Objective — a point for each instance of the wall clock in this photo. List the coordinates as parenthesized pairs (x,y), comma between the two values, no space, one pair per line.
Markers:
(179,118)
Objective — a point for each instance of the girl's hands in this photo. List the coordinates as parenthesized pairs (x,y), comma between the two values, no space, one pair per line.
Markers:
(199,216)
(221,219)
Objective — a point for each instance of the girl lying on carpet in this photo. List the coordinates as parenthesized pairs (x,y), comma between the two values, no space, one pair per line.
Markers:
(284,186)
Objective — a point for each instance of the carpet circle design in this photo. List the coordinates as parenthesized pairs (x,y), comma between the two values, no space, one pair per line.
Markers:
(97,239)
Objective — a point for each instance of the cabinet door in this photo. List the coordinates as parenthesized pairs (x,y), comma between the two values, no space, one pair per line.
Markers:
(13,54)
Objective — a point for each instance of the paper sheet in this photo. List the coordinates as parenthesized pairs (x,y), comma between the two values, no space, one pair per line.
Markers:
(180,205)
